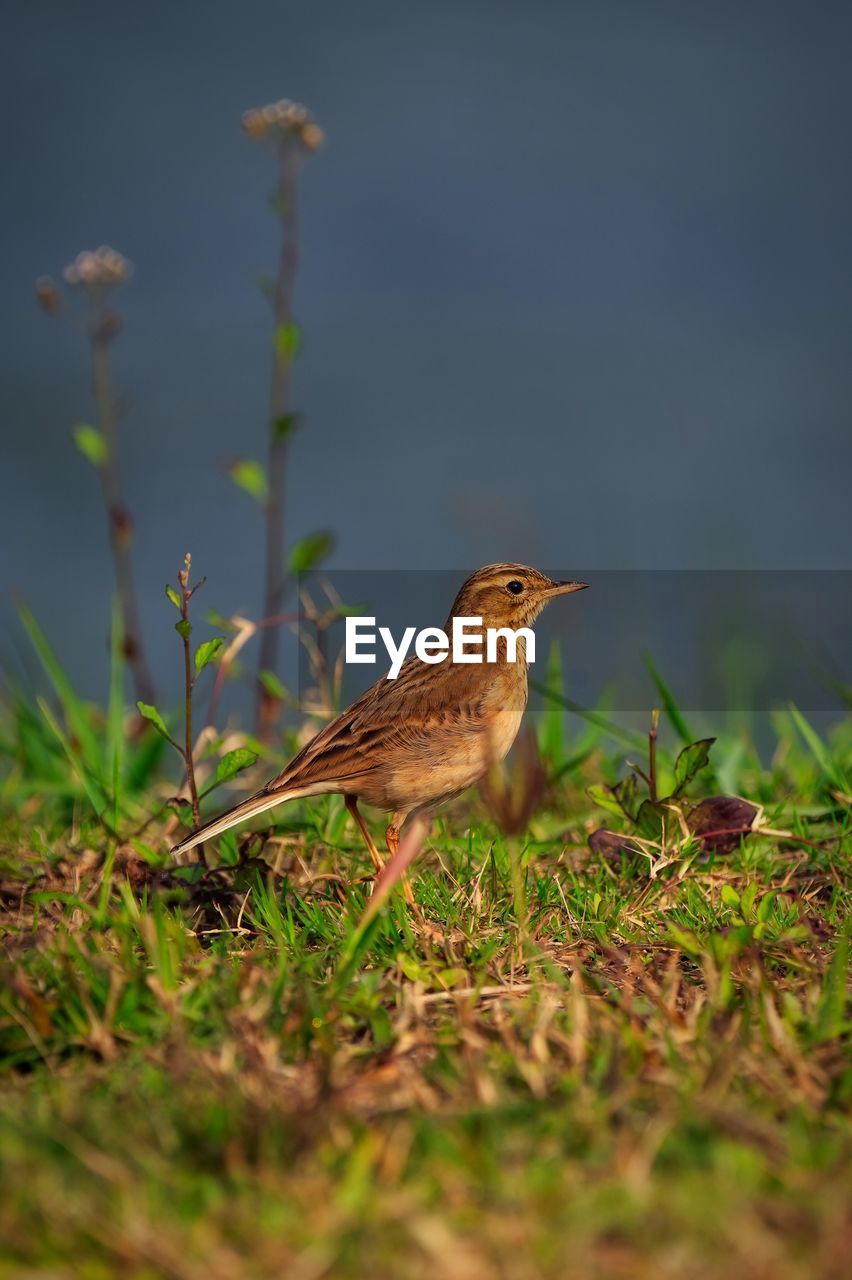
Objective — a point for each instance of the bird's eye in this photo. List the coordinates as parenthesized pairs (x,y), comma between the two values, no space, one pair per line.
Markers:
(515,587)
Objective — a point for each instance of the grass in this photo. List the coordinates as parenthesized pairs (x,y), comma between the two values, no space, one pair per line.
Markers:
(603,1067)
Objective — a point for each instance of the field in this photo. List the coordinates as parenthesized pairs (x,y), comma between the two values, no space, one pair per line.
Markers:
(623,1060)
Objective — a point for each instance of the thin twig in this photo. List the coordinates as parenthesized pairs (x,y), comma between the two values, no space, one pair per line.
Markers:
(102,328)
(289,160)
(652,755)
(185,630)
(245,630)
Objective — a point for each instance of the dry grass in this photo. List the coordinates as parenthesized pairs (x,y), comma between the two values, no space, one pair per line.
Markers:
(576,1068)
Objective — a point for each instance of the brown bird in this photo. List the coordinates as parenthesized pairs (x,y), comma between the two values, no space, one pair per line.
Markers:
(408,744)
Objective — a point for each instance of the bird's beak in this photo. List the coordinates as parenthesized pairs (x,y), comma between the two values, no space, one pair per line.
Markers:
(565,588)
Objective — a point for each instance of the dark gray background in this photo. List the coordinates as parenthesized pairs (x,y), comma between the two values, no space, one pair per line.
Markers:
(575,289)
(725,641)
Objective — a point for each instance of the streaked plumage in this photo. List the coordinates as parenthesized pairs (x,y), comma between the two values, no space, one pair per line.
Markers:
(408,744)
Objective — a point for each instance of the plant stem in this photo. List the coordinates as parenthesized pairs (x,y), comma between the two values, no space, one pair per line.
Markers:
(519,893)
(190,766)
(279,396)
(652,755)
(118,517)
(185,630)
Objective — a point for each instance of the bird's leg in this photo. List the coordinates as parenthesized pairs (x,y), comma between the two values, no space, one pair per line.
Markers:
(377,859)
(392,833)
(392,842)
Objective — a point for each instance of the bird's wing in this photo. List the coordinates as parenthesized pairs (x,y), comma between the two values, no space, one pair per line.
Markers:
(407,719)
(393,717)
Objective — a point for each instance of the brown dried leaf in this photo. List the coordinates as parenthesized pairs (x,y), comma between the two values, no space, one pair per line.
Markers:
(513,792)
(721,821)
(611,845)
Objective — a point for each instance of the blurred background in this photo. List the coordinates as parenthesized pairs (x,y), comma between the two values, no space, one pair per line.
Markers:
(575,289)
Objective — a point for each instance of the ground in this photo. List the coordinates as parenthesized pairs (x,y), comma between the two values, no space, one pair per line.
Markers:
(621,1061)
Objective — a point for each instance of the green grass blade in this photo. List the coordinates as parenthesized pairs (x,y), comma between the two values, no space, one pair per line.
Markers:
(551,735)
(75,711)
(830,1014)
(819,750)
(609,727)
(95,795)
(667,698)
(115,711)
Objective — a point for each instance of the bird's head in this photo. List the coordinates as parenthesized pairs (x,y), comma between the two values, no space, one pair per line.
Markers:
(508,595)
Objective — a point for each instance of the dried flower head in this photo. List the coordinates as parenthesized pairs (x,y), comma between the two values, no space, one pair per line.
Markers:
(101,268)
(512,794)
(48,296)
(284,121)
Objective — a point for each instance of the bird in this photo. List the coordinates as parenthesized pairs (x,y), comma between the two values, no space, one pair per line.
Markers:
(407,745)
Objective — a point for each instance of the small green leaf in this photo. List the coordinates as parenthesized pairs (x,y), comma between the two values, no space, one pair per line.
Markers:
(173,595)
(152,715)
(91,444)
(233,763)
(747,900)
(273,685)
(206,652)
(309,551)
(730,897)
(654,819)
(288,339)
(284,425)
(604,799)
(184,628)
(414,971)
(685,939)
(625,794)
(764,907)
(691,760)
(249,475)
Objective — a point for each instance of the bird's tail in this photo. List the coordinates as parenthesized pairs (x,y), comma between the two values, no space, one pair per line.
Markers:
(257,803)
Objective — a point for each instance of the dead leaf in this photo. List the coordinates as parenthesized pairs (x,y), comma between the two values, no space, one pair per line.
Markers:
(721,822)
(611,845)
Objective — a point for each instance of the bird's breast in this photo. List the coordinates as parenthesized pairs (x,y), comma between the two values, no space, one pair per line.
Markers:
(504,718)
